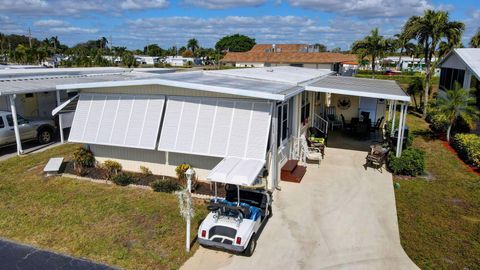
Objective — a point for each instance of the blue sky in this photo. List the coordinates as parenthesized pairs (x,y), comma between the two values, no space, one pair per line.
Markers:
(134,23)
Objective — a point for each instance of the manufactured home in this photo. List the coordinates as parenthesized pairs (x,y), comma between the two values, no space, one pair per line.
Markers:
(233,123)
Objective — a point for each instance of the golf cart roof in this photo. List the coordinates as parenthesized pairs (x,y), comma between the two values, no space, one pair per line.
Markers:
(236,171)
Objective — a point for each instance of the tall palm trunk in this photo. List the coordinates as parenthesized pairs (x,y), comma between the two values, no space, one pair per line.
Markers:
(449,129)
(427,79)
(373,66)
(399,66)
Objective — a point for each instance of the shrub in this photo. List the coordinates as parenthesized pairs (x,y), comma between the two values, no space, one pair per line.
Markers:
(112,168)
(166,185)
(145,170)
(83,158)
(123,179)
(411,162)
(468,148)
(180,171)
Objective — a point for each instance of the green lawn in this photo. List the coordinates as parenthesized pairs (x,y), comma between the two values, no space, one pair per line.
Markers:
(121,226)
(439,216)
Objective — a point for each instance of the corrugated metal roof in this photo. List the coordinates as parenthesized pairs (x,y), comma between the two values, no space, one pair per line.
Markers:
(385,89)
(276,83)
(471,57)
(49,82)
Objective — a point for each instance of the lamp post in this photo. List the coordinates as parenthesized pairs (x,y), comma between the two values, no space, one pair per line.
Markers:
(189,174)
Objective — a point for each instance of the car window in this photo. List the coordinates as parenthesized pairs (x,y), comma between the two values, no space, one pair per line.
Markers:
(2,124)
(20,120)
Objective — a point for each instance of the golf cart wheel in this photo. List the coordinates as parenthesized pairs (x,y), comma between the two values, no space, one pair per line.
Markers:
(45,136)
(251,247)
(270,213)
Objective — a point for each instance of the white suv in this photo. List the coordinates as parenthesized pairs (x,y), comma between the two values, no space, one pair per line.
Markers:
(40,130)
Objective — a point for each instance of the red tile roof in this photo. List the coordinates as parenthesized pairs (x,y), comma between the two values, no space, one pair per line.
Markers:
(287,53)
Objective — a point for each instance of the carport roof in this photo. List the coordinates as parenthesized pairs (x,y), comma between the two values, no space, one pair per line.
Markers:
(362,87)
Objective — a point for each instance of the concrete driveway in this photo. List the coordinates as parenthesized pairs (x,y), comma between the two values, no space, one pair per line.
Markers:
(340,216)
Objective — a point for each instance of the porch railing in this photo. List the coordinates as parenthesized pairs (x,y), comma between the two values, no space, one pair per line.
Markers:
(320,123)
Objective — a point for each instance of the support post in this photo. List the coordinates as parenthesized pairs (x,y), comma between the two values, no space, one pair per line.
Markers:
(13,109)
(273,147)
(390,104)
(404,122)
(394,112)
(400,131)
(60,124)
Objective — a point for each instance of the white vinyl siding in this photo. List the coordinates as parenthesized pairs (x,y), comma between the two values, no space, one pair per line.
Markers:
(118,120)
(216,127)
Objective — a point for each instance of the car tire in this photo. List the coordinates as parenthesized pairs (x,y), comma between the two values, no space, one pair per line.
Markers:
(45,136)
(251,247)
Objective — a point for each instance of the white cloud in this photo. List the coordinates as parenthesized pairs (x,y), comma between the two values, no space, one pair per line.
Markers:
(49,23)
(224,4)
(73,30)
(7,25)
(143,4)
(366,8)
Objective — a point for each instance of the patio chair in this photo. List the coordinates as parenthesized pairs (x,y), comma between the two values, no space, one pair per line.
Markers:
(377,157)
(346,126)
(377,125)
(309,153)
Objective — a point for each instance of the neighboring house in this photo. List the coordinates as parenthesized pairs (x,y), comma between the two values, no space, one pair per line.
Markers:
(147,60)
(112,59)
(231,123)
(34,95)
(178,61)
(298,55)
(462,66)
(406,63)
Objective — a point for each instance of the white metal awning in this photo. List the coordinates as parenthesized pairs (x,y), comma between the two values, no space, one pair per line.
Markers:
(361,87)
(216,127)
(118,120)
(236,171)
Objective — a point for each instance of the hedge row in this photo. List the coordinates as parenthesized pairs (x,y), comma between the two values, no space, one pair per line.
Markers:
(468,148)
(401,79)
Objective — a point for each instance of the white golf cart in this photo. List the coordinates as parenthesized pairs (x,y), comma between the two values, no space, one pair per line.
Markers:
(234,222)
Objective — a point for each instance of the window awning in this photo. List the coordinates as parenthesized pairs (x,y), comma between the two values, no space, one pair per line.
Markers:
(361,87)
(118,120)
(216,127)
(236,171)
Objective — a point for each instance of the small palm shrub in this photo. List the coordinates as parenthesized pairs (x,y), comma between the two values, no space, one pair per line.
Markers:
(123,179)
(83,158)
(112,168)
(165,185)
(468,148)
(145,170)
(411,162)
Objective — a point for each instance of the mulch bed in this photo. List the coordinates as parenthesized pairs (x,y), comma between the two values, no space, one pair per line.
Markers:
(470,168)
(202,187)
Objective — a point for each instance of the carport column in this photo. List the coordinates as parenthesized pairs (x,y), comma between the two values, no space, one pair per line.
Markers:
(394,112)
(400,131)
(403,126)
(60,124)
(273,147)
(15,124)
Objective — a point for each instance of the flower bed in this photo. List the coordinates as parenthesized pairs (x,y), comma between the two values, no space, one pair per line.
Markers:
(468,148)
(142,179)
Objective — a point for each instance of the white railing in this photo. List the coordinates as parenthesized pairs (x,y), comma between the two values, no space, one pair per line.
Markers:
(320,123)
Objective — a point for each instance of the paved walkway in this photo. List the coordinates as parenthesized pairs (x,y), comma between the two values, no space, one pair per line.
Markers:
(22,257)
(340,216)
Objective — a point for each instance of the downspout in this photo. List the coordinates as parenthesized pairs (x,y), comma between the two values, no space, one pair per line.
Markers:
(273,147)
(60,124)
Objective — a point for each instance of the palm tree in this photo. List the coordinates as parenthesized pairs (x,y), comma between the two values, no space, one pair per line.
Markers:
(429,30)
(475,41)
(192,44)
(451,104)
(374,46)
(102,42)
(402,42)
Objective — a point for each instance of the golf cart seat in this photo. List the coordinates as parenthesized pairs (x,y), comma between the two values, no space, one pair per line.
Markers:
(246,196)
(248,211)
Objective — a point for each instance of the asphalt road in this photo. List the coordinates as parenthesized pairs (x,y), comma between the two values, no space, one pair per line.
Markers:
(23,257)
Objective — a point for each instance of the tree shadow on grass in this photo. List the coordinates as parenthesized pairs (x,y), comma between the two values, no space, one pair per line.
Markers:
(427,134)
